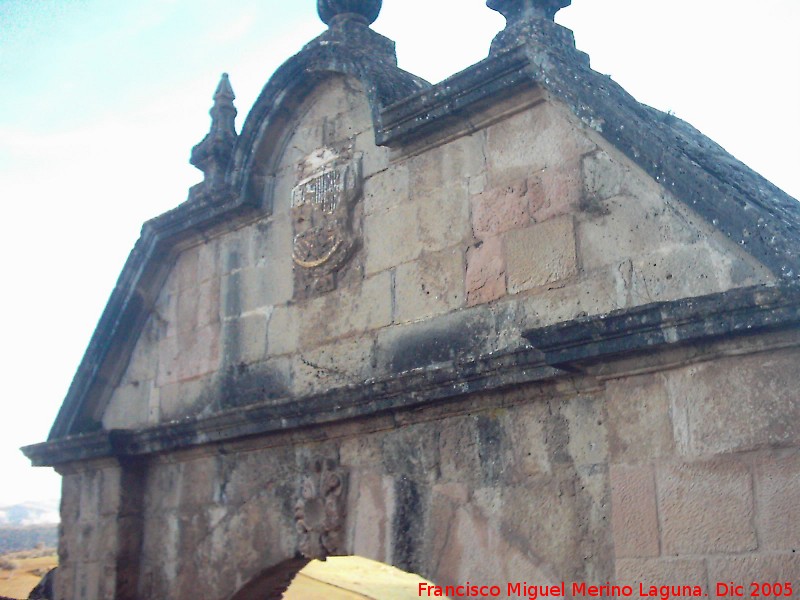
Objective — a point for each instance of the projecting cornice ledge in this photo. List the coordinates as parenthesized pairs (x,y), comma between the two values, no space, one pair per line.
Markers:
(752,310)
(557,349)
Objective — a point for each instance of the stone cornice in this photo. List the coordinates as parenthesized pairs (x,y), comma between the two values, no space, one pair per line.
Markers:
(375,397)
(556,349)
(688,321)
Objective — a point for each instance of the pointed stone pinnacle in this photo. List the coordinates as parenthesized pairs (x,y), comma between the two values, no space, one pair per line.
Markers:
(224,89)
(223,113)
(213,155)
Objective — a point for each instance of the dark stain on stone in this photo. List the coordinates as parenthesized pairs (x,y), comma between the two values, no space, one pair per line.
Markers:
(490,447)
(413,453)
(556,437)
(450,338)
(243,385)
(408,525)
(232,298)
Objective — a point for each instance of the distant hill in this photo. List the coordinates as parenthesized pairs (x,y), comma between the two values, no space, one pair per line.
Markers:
(15,538)
(30,513)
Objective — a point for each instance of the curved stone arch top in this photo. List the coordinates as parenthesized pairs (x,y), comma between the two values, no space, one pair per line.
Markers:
(352,51)
(272,582)
(474,553)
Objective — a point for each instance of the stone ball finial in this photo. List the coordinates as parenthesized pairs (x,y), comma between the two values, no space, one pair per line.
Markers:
(361,10)
(516,10)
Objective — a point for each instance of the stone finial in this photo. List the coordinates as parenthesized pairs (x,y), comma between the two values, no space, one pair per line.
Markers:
(213,155)
(518,10)
(532,22)
(365,11)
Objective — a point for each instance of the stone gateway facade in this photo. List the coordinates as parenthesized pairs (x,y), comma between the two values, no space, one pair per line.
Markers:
(511,327)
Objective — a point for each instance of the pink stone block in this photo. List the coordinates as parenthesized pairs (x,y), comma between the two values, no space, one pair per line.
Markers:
(486,272)
(634,517)
(777,486)
(706,508)
(555,191)
(498,210)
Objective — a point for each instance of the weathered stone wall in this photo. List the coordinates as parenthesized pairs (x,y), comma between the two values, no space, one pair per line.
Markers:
(101,530)
(705,473)
(461,492)
(528,221)
(461,245)
(676,469)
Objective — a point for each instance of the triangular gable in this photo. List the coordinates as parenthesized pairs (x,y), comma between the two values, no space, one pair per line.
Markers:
(734,202)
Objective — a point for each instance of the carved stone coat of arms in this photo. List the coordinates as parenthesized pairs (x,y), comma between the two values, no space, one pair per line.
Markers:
(323,203)
(320,510)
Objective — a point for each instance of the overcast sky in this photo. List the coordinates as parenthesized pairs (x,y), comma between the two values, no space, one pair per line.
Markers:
(102,101)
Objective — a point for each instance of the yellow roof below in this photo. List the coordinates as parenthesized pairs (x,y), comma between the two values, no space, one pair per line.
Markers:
(353,578)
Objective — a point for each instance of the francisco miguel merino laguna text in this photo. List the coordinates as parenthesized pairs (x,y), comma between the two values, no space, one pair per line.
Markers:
(522,589)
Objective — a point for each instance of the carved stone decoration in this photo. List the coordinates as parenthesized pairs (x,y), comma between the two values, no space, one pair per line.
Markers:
(517,10)
(323,203)
(213,155)
(320,511)
(364,10)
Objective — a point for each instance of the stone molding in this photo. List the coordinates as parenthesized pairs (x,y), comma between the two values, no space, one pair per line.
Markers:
(556,351)
(680,322)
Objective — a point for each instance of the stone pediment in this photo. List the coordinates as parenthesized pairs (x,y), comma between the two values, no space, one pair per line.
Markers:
(533,63)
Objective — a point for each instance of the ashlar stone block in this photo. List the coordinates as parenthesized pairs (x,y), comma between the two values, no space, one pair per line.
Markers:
(639,424)
(375,159)
(759,568)
(443,218)
(706,508)
(634,517)
(499,210)
(372,529)
(777,485)
(555,191)
(532,140)
(185,268)
(593,294)
(541,254)
(129,406)
(625,228)
(283,330)
(198,352)
(344,362)
(255,288)
(347,311)
(451,164)
(179,399)
(673,272)
(391,237)
(486,271)
(143,364)
(606,177)
(736,404)
(252,335)
(431,285)
(386,189)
